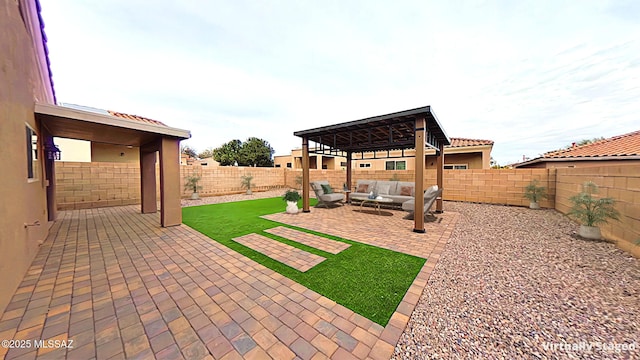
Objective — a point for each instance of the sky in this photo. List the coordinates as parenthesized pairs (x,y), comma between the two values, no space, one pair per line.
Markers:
(533,76)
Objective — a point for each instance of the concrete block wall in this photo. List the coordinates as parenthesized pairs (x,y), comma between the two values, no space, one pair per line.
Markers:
(497,186)
(228,179)
(81,185)
(619,182)
(92,185)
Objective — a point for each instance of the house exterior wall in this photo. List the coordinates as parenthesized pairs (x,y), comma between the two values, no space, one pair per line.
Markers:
(475,157)
(114,153)
(23,79)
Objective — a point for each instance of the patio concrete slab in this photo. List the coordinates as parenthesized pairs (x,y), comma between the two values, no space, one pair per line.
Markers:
(120,286)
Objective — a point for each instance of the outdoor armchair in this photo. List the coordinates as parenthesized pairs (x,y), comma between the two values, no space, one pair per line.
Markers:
(430,196)
(325,195)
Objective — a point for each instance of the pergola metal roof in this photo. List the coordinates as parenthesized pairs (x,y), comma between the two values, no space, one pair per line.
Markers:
(395,131)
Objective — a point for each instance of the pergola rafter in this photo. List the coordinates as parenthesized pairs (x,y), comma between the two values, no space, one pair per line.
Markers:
(409,129)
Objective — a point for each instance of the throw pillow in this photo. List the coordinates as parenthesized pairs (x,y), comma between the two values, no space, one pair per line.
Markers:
(327,189)
(406,190)
(383,189)
(363,188)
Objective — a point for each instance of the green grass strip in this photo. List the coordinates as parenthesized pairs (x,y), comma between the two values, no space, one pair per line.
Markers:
(369,280)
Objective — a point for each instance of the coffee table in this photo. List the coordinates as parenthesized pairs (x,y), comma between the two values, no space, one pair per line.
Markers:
(377,202)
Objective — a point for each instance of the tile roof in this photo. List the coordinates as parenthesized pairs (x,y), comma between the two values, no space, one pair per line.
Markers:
(135,118)
(621,145)
(461,142)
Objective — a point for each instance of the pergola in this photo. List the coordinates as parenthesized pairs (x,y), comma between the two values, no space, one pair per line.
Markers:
(417,128)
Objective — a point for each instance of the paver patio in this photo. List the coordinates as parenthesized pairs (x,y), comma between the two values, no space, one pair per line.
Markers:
(120,286)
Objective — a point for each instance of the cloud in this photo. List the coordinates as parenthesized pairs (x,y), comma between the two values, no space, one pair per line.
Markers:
(532,75)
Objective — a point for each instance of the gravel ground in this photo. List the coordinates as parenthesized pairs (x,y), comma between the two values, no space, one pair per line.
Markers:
(514,282)
(232,198)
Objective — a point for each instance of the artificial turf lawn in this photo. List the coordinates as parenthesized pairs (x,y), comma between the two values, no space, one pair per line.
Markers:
(369,280)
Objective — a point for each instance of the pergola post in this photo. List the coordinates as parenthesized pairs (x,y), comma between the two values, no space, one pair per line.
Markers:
(170,209)
(305,175)
(349,176)
(419,180)
(439,176)
(148,200)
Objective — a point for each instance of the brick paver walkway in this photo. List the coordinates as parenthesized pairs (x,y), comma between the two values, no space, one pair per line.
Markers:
(286,254)
(315,241)
(120,286)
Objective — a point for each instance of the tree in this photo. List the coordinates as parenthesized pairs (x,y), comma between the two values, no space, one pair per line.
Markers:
(185,149)
(206,153)
(584,142)
(228,153)
(256,152)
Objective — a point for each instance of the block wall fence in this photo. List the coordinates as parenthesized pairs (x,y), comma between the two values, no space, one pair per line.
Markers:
(91,185)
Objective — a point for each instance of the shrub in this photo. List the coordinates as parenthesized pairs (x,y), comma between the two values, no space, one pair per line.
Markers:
(534,192)
(592,211)
(291,195)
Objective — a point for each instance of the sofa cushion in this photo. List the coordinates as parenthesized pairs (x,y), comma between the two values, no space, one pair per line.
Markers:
(317,186)
(326,189)
(430,191)
(332,197)
(406,190)
(362,188)
(400,184)
(383,188)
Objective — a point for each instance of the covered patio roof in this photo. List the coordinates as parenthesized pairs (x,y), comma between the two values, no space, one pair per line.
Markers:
(394,131)
(152,137)
(74,123)
(416,128)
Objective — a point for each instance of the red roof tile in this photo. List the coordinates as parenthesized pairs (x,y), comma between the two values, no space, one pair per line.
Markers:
(135,118)
(460,142)
(621,145)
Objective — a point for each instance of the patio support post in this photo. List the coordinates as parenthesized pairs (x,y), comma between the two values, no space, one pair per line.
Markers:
(349,176)
(439,176)
(419,184)
(149,203)
(305,175)
(170,210)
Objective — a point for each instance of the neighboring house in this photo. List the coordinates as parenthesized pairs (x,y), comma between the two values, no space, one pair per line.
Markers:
(618,150)
(29,122)
(461,154)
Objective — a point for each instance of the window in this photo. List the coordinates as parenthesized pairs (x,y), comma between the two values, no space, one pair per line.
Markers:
(343,163)
(32,153)
(277,165)
(396,165)
(456,167)
(289,165)
(365,165)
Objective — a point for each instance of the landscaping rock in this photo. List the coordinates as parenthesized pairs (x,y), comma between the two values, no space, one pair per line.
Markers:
(517,283)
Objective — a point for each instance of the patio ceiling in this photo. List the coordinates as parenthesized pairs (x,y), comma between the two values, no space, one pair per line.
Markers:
(394,131)
(79,124)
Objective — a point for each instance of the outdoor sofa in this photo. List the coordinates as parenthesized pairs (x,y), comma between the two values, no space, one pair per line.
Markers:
(398,191)
(401,192)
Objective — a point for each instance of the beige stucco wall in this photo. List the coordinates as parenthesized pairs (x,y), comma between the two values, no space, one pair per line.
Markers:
(114,153)
(22,201)
(475,157)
